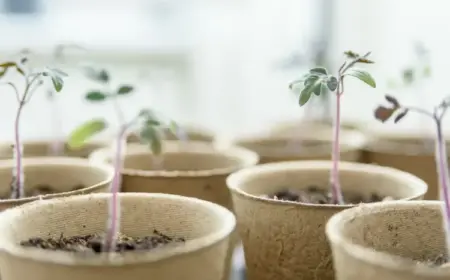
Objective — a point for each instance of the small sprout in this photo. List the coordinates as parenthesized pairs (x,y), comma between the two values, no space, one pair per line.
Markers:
(32,81)
(124,89)
(96,96)
(399,112)
(317,81)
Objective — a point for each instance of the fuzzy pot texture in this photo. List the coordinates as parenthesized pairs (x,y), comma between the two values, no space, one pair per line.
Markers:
(205,226)
(60,173)
(407,152)
(286,240)
(312,145)
(389,241)
(43,148)
(193,169)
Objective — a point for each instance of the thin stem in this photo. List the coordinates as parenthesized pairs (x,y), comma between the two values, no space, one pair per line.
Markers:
(443,175)
(114,204)
(336,193)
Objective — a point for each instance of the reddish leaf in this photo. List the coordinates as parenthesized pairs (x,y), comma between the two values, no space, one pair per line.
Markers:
(383,114)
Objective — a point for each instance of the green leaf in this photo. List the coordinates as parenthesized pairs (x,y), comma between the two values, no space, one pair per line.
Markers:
(408,76)
(151,136)
(8,64)
(321,89)
(362,75)
(58,83)
(125,89)
(332,83)
(100,75)
(319,70)
(351,54)
(85,131)
(96,96)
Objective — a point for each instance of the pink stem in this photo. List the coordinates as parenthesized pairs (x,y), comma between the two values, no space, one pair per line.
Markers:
(443,174)
(18,188)
(114,205)
(336,194)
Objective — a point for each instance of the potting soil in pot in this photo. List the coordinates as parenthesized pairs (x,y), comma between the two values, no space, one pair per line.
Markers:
(42,190)
(315,195)
(94,242)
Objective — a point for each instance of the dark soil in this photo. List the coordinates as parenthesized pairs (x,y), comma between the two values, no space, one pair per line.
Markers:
(94,243)
(42,190)
(315,195)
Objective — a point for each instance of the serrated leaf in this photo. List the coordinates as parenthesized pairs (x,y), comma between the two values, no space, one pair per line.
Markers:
(85,131)
(362,75)
(58,83)
(151,136)
(96,96)
(321,89)
(125,89)
(383,113)
(305,95)
(400,116)
(318,70)
(332,83)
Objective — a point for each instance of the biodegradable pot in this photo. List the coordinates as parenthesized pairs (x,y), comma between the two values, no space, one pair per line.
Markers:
(407,152)
(61,173)
(194,169)
(193,133)
(388,241)
(205,226)
(313,145)
(296,127)
(42,148)
(286,240)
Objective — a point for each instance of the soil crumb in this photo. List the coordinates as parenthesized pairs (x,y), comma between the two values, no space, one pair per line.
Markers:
(42,189)
(316,195)
(94,243)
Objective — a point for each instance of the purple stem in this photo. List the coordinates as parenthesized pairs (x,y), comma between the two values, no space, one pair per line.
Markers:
(443,175)
(114,205)
(336,194)
(18,187)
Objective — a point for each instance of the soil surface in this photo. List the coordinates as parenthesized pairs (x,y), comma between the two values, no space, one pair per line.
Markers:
(43,190)
(94,243)
(315,195)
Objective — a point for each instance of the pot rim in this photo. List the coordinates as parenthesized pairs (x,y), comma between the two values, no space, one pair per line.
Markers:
(117,259)
(351,140)
(246,158)
(58,161)
(376,258)
(235,179)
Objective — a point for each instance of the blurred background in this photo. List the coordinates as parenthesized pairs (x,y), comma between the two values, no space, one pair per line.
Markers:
(225,65)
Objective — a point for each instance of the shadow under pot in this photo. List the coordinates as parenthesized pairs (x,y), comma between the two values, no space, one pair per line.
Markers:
(281,221)
(193,169)
(389,241)
(43,148)
(410,153)
(193,133)
(313,147)
(166,236)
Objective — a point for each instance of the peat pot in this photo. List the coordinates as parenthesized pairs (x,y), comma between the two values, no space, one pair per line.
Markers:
(389,241)
(193,169)
(205,226)
(192,133)
(286,240)
(52,177)
(314,145)
(412,152)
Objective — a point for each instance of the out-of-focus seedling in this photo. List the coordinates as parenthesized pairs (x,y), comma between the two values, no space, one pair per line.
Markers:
(32,80)
(398,111)
(150,128)
(316,82)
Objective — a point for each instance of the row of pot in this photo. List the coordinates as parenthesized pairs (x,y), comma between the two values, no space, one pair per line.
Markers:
(282,240)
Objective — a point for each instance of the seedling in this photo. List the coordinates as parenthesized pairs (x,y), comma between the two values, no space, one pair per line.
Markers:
(398,111)
(32,80)
(317,81)
(150,129)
